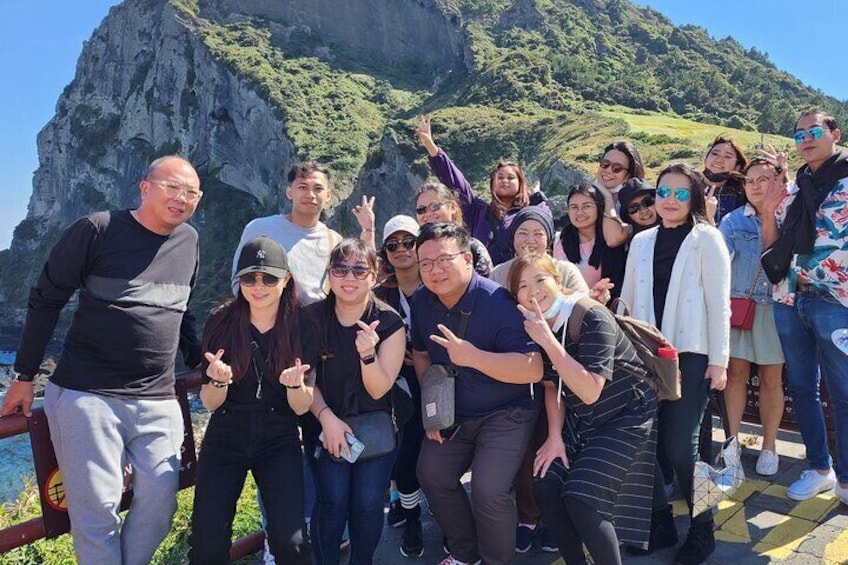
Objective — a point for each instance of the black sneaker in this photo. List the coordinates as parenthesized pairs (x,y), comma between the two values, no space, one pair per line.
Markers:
(445,546)
(699,544)
(396,516)
(412,542)
(663,533)
(547,541)
(523,538)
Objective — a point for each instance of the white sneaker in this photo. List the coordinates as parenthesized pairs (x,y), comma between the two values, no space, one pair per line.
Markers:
(451,560)
(810,484)
(767,463)
(841,493)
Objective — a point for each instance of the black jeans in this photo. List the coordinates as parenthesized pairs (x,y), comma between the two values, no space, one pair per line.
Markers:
(679,426)
(265,443)
(493,448)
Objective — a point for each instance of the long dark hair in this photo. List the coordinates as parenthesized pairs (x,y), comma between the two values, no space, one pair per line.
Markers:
(570,237)
(697,201)
(228,328)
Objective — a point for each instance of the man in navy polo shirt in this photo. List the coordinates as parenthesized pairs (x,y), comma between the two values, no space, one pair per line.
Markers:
(497,396)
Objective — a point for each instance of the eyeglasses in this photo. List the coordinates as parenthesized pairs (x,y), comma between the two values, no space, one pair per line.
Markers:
(815,132)
(645,203)
(680,194)
(431,207)
(393,245)
(426,265)
(340,271)
(250,279)
(175,190)
(585,208)
(616,167)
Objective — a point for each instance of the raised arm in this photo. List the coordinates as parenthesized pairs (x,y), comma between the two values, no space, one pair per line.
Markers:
(446,170)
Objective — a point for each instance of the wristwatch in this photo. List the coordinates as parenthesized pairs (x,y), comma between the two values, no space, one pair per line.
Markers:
(25,378)
(368,359)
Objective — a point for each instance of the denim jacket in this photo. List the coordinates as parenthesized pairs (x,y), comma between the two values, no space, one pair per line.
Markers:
(742,232)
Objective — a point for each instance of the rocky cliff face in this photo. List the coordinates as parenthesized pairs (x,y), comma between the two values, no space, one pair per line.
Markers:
(147,85)
(383,32)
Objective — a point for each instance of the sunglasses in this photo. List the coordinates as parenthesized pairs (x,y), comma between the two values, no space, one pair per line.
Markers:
(616,167)
(646,203)
(393,245)
(815,132)
(431,207)
(360,272)
(250,279)
(680,194)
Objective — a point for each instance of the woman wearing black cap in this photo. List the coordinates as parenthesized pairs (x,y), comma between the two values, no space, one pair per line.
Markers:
(637,198)
(255,387)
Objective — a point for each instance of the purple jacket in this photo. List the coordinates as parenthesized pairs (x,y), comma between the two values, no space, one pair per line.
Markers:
(481,222)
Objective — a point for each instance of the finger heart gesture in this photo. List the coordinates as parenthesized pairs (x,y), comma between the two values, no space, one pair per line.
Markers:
(367,338)
(217,369)
(294,376)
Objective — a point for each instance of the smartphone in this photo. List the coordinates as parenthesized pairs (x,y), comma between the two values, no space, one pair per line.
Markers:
(356,447)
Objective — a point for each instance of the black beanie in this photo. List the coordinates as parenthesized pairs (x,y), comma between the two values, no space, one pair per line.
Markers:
(541,215)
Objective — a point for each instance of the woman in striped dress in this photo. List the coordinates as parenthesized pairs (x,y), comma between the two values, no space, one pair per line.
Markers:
(595,471)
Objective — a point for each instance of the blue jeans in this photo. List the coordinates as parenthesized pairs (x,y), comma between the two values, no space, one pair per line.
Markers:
(805,332)
(351,494)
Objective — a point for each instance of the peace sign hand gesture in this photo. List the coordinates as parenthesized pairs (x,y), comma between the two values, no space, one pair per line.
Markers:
(293,377)
(367,338)
(536,326)
(364,213)
(217,370)
(460,351)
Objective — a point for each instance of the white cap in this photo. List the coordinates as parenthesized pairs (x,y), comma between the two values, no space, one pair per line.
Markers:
(400,223)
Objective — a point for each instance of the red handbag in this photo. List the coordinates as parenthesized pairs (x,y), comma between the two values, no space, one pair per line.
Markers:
(742,313)
(742,309)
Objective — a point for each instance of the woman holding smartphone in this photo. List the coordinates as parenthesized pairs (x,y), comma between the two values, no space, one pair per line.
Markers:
(255,386)
(357,344)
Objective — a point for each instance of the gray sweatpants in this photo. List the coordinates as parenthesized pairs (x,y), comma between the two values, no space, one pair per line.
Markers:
(94,437)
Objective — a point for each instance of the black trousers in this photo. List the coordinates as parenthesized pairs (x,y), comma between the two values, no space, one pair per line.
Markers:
(265,443)
(493,447)
(679,425)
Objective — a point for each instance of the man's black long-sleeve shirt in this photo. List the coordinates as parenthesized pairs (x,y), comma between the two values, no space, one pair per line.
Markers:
(134,287)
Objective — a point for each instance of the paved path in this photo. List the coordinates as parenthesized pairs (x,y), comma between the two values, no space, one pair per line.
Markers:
(760,525)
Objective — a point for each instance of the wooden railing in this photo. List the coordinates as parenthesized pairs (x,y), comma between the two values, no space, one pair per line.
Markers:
(27,532)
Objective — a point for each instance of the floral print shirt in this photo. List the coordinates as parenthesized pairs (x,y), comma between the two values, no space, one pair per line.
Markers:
(826,267)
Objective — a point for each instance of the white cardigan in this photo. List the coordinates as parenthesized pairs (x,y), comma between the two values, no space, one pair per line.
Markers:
(696,318)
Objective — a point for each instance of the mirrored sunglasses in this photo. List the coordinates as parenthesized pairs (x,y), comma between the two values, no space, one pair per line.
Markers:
(815,132)
(680,194)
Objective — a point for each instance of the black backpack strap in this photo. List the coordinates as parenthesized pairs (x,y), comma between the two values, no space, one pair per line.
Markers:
(575,321)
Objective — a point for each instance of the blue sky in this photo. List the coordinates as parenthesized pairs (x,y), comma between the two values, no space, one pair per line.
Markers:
(40,41)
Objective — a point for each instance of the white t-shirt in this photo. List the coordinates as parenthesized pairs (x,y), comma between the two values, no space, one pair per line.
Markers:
(307,249)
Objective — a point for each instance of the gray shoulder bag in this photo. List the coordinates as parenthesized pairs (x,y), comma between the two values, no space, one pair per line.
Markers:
(438,390)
